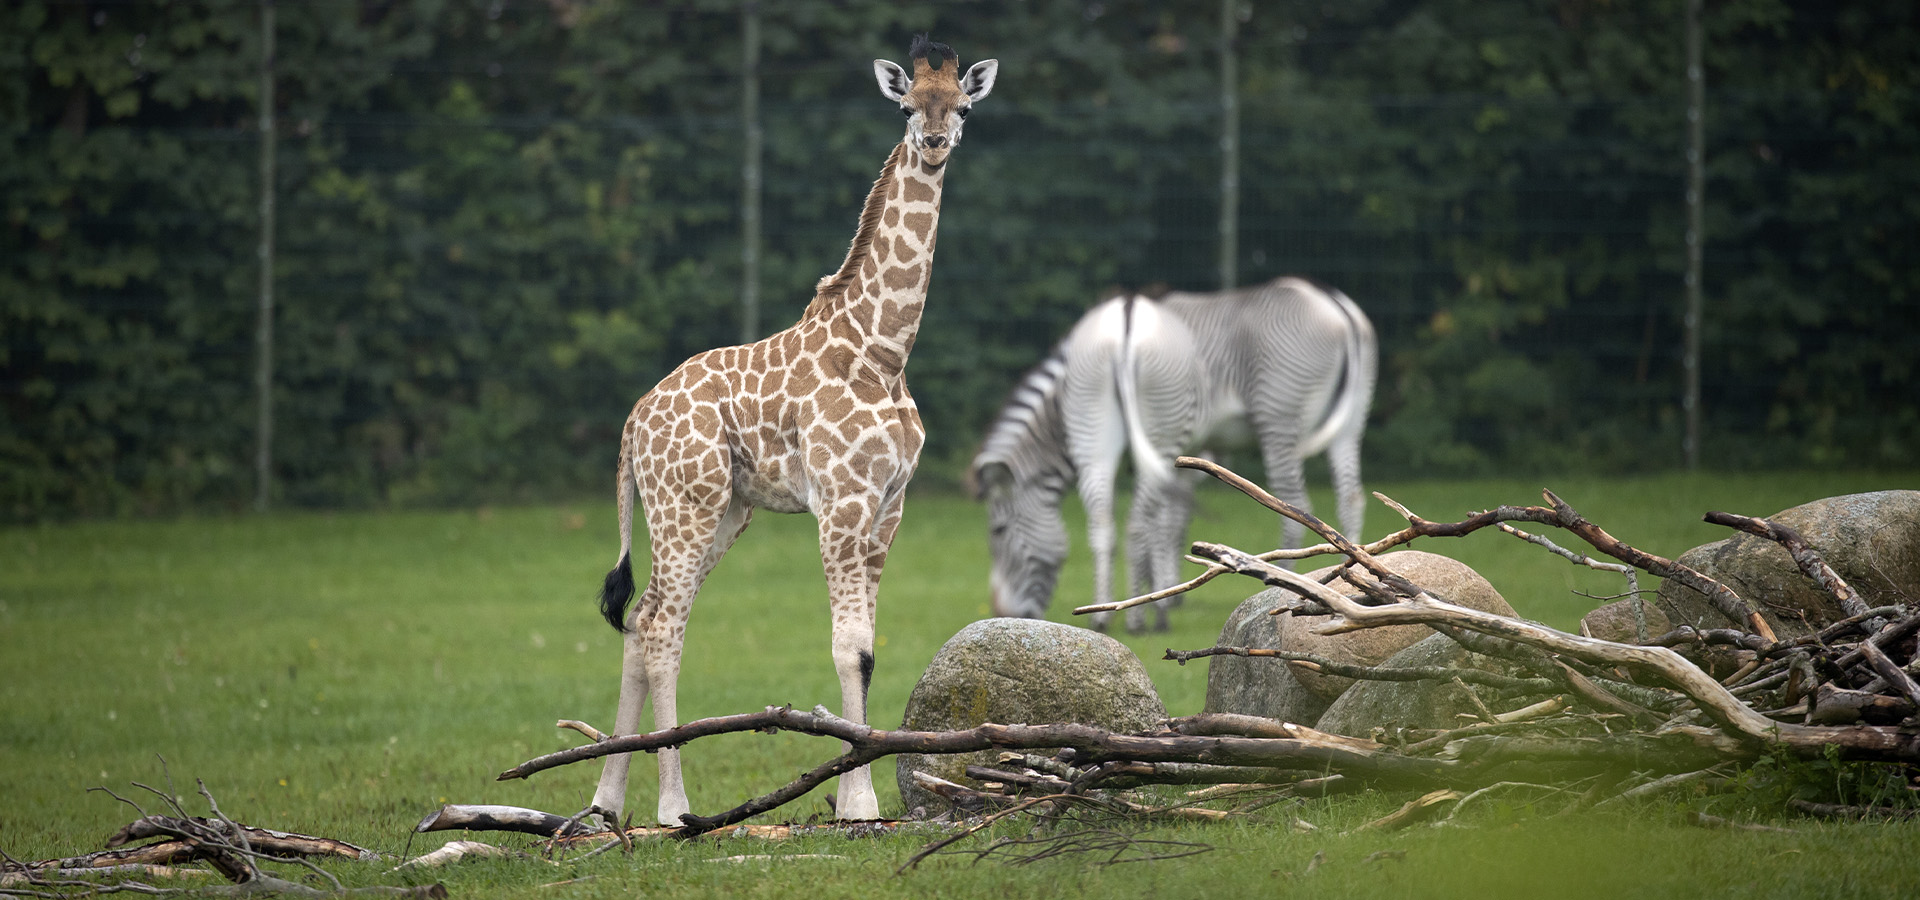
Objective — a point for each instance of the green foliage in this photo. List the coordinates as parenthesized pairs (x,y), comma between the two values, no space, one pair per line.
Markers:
(1776,778)
(500,223)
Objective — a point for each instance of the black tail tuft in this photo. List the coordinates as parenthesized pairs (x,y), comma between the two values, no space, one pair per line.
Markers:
(617,593)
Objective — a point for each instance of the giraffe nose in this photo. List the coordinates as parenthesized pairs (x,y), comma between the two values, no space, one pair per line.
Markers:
(934,141)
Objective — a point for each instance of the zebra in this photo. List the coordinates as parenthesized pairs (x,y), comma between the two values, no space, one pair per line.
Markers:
(1288,365)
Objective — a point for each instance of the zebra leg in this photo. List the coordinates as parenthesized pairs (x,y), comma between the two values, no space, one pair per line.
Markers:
(1343,456)
(1177,515)
(1144,538)
(1287,479)
(1156,529)
(1096,494)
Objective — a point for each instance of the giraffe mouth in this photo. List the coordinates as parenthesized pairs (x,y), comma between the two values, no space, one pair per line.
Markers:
(935,157)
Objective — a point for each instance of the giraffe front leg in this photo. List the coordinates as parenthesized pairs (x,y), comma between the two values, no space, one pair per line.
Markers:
(848,550)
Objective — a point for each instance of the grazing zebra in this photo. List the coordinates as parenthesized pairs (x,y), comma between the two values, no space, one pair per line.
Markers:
(1287,364)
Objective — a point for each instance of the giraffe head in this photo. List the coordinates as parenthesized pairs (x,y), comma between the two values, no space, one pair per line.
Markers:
(936,97)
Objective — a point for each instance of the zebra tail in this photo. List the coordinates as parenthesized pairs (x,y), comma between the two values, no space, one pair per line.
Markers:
(617,592)
(1351,399)
(1148,463)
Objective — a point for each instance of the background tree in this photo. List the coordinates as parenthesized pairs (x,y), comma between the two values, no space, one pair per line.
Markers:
(501,221)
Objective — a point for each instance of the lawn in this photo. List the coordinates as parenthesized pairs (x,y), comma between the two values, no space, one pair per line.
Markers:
(346,673)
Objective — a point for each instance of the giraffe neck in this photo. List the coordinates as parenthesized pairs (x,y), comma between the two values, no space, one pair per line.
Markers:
(881,288)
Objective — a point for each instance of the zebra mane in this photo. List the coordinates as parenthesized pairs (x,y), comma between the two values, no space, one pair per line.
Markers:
(1025,415)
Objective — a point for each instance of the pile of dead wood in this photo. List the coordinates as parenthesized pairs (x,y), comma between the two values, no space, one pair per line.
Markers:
(1629,719)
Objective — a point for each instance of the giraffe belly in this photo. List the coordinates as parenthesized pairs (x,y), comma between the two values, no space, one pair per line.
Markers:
(773,491)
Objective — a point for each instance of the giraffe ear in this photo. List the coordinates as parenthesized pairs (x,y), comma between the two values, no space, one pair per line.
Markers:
(978,82)
(894,83)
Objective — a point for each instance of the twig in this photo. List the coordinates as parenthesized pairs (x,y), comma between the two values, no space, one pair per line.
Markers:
(1843,811)
(1580,559)
(1887,669)
(1804,556)
(1373,673)
(983,823)
(1499,785)
(592,733)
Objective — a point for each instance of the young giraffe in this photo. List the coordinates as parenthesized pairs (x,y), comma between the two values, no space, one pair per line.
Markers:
(815,418)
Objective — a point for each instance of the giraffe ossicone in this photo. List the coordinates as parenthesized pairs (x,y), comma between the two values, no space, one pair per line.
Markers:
(816,419)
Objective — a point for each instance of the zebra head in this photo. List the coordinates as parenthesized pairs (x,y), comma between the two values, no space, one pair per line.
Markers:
(1022,472)
(1027,537)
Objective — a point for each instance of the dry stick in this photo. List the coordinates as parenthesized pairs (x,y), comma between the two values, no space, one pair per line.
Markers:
(1887,669)
(977,827)
(1500,785)
(1579,559)
(1803,555)
(1092,746)
(476,817)
(278,843)
(1601,698)
(1722,597)
(1479,705)
(1425,609)
(592,733)
(1659,785)
(1214,570)
(1713,699)
(1563,516)
(1502,727)
(1214,724)
(1373,673)
(1843,811)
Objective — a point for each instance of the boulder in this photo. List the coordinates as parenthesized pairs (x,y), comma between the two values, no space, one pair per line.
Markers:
(1021,671)
(1270,688)
(1614,622)
(1391,705)
(1253,686)
(1871,540)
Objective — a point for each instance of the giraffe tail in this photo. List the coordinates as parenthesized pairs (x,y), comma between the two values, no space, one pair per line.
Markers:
(618,590)
(617,593)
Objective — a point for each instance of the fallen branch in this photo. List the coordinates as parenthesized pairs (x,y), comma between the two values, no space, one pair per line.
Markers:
(454,851)
(234,851)
(462,817)
(1804,556)
(1091,745)
(265,840)
(1417,810)
(1559,515)
(1373,673)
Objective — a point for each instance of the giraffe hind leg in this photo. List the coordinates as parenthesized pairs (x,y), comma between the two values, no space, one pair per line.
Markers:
(650,664)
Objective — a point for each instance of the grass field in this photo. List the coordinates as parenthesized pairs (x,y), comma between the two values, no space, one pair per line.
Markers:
(345,674)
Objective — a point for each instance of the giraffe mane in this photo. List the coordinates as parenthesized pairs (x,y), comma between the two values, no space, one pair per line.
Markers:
(833,287)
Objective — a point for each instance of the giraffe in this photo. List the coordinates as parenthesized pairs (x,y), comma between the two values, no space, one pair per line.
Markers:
(816,418)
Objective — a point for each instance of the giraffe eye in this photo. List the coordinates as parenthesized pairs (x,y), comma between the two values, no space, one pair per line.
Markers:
(964,110)
(906,112)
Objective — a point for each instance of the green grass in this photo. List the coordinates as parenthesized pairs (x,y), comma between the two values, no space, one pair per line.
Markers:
(344,674)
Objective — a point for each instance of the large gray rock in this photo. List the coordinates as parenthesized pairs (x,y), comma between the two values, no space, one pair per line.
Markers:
(1615,622)
(1444,578)
(1392,705)
(1872,540)
(1254,686)
(1268,687)
(1021,671)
